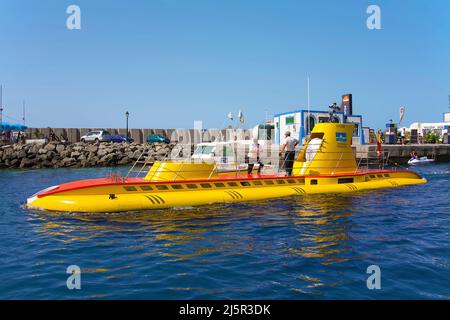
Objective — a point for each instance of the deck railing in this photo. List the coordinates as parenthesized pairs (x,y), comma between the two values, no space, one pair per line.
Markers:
(364,163)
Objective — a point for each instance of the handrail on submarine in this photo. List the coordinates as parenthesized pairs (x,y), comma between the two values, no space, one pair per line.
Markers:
(364,163)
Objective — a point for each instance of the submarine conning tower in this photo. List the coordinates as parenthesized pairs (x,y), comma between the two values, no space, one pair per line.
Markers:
(328,151)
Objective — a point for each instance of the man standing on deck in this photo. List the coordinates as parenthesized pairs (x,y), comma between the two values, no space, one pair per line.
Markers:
(289,155)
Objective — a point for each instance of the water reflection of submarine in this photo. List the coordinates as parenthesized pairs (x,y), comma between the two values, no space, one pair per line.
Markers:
(323,225)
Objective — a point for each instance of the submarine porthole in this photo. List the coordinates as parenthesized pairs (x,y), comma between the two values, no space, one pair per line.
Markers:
(346,180)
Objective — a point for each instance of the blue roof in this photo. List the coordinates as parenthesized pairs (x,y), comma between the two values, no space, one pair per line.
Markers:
(12,126)
(313,111)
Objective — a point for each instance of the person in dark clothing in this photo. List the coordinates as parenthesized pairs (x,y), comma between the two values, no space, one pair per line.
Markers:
(288,147)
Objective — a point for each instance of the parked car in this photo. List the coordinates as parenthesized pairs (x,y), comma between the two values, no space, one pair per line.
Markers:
(121,138)
(96,136)
(157,138)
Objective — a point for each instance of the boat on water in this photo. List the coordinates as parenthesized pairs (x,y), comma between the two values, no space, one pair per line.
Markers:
(421,160)
(325,164)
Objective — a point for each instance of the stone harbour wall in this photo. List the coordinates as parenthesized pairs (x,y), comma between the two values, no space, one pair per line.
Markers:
(57,155)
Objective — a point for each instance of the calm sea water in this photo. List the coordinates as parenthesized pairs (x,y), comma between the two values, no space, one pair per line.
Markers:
(305,247)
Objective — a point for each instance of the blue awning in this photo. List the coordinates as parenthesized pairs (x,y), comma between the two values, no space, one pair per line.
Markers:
(12,126)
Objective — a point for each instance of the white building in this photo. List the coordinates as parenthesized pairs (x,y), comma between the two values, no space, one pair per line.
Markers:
(301,122)
(422,128)
(447,117)
(438,127)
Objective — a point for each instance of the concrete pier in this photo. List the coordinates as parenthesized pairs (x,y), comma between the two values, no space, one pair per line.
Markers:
(402,153)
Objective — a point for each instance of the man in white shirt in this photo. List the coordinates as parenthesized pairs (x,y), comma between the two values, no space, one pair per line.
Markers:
(288,147)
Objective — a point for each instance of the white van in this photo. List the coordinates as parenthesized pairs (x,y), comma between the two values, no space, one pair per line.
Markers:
(96,136)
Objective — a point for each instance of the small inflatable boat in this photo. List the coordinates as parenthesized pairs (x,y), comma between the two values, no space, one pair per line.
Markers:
(421,160)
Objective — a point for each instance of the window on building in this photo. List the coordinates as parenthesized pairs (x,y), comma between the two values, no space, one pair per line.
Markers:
(290,120)
(356,130)
(311,123)
(265,131)
(335,119)
(227,151)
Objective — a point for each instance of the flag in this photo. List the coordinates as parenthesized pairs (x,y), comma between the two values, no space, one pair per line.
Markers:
(241,117)
(379,152)
(230,116)
(402,114)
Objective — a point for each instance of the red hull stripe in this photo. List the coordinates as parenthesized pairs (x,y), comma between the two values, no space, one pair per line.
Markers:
(101,182)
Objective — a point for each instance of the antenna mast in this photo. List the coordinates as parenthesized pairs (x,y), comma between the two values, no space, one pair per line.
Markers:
(23,112)
(309,110)
(1,103)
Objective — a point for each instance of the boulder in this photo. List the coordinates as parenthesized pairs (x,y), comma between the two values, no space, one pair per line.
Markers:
(67,161)
(92,148)
(50,147)
(93,160)
(101,152)
(125,160)
(21,154)
(75,154)
(162,152)
(136,155)
(26,163)
(34,149)
(66,153)
(7,153)
(13,163)
(8,146)
(60,148)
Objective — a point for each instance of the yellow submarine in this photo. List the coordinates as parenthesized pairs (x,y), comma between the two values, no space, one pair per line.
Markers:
(326,164)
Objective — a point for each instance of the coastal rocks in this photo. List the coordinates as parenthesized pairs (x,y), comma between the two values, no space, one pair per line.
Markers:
(59,155)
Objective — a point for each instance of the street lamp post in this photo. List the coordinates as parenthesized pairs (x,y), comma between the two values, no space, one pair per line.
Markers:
(127,114)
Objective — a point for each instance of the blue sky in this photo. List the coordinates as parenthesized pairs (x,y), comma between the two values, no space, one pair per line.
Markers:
(172,62)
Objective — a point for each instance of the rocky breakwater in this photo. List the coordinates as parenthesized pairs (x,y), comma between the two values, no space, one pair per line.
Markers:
(58,155)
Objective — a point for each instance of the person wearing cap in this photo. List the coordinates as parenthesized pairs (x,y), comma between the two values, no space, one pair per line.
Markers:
(288,147)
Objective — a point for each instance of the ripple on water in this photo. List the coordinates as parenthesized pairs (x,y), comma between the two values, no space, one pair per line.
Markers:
(306,247)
